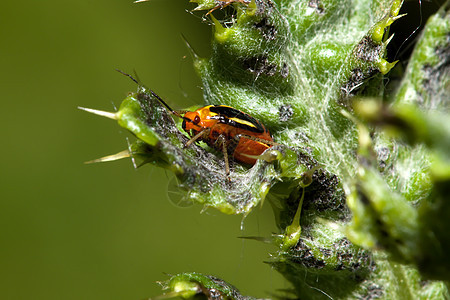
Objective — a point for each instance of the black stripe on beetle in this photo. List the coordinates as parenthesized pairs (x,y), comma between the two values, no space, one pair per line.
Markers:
(233,117)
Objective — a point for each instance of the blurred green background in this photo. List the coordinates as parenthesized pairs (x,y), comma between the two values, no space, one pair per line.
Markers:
(103,231)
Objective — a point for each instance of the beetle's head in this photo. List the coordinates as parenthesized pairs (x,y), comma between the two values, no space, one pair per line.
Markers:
(191,121)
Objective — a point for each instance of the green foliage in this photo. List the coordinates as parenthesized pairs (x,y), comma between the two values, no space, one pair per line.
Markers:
(369,178)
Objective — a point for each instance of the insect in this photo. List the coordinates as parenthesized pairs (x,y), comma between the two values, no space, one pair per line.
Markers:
(223,128)
(230,130)
(226,129)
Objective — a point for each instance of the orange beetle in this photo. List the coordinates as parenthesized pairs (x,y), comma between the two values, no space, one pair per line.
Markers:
(218,125)
(224,128)
(227,129)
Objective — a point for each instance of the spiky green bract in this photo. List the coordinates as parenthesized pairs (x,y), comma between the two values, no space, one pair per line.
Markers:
(198,286)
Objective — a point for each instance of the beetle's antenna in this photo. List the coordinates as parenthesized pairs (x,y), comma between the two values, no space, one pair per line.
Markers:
(128,75)
(163,102)
(156,96)
(169,108)
(153,93)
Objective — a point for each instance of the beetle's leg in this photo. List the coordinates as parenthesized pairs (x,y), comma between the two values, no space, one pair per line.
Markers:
(222,141)
(200,135)
(232,144)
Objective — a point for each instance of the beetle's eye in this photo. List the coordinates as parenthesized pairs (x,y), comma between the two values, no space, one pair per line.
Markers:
(196,120)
